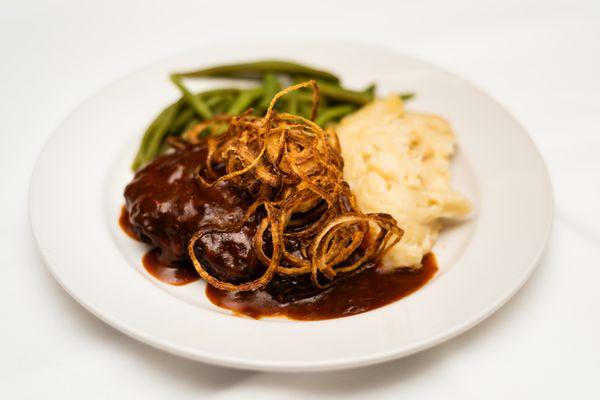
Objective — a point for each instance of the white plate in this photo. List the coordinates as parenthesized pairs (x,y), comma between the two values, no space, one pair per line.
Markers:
(76,194)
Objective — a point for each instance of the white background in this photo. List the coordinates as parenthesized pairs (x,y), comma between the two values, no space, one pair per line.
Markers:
(541,60)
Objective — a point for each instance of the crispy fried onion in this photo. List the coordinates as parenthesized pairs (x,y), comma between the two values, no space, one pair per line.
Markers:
(308,220)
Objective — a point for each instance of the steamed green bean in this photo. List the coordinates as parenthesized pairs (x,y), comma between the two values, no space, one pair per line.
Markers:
(333,113)
(196,102)
(256,70)
(407,96)
(338,93)
(244,100)
(270,75)
(270,86)
(159,134)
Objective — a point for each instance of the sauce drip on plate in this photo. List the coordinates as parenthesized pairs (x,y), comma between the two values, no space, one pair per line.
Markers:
(361,292)
(173,275)
(358,293)
(126,225)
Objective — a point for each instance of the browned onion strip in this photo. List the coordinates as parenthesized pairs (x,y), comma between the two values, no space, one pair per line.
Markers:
(272,263)
(324,260)
(292,169)
(315,99)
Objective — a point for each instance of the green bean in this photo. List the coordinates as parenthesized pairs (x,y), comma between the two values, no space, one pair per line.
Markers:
(224,103)
(212,99)
(407,96)
(305,109)
(158,134)
(191,108)
(185,115)
(271,86)
(196,102)
(334,113)
(244,100)
(292,104)
(223,91)
(255,70)
(190,124)
(140,156)
(371,89)
(303,96)
(219,99)
(336,92)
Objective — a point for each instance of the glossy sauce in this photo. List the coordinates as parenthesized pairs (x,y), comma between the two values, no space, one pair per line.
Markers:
(166,205)
(172,275)
(177,276)
(364,291)
(126,225)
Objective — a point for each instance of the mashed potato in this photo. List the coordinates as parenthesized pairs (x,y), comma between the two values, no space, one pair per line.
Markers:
(398,162)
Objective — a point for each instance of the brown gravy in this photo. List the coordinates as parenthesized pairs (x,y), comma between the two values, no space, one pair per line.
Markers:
(173,275)
(126,225)
(365,291)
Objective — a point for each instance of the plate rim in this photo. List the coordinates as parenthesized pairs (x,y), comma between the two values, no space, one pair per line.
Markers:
(332,364)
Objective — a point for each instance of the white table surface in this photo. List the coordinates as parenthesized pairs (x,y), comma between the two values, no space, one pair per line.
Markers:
(539,59)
